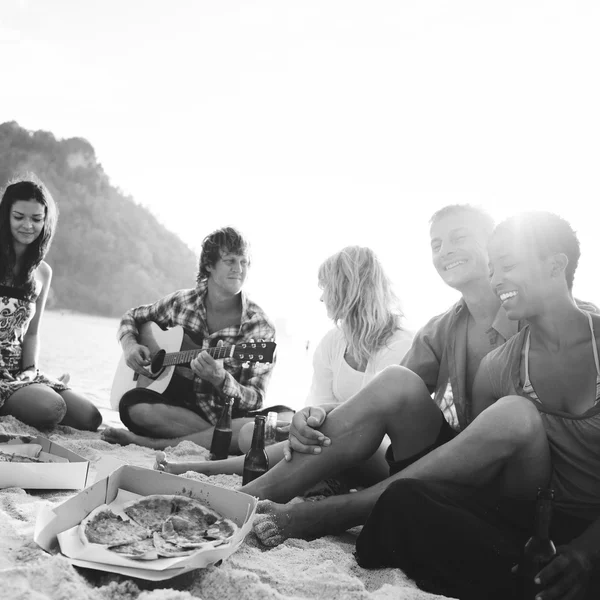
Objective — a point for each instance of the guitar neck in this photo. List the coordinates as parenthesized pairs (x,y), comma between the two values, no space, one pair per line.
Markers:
(187,356)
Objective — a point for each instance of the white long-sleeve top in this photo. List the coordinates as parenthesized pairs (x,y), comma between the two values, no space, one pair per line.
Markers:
(335,381)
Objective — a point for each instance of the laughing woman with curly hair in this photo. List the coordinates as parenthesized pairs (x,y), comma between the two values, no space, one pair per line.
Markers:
(28,218)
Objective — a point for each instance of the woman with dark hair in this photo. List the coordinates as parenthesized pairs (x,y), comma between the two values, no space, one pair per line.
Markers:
(28,217)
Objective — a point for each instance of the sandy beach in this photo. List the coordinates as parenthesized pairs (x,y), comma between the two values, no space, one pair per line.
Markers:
(297,569)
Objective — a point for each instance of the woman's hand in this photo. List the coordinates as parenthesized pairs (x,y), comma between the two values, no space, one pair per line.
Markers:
(304,435)
(566,576)
(28,375)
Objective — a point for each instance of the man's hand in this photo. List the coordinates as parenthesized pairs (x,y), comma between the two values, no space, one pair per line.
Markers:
(305,436)
(209,369)
(566,576)
(137,357)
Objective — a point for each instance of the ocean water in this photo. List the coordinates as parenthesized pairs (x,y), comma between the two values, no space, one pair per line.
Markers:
(86,347)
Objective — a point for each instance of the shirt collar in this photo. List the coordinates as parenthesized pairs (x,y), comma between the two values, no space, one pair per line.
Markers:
(502,324)
(202,289)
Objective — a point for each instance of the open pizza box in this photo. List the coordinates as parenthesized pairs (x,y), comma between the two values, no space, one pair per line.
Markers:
(56,528)
(60,468)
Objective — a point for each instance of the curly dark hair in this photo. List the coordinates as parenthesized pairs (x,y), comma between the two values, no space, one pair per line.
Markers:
(28,187)
(549,234)
(226,239)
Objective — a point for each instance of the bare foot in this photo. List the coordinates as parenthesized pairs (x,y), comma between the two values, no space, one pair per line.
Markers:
(271,523)
(178,468)
(114,435)
(275,523)
(162,464)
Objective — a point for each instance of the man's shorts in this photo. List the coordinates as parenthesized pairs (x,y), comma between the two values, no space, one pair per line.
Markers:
(445,435)
(179,393)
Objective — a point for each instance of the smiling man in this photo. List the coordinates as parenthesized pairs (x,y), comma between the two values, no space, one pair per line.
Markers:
(420,405)
(215,311)
(423,405)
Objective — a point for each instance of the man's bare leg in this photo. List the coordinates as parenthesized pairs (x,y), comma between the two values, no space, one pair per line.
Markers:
(395,402)
(506,443)
(169,426)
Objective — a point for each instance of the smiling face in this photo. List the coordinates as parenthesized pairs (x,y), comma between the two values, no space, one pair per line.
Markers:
(458,249)
(229,272)
(26,221)
(520,277)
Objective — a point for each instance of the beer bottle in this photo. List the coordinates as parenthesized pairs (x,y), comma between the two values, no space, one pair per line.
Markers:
(219,447)
(256,462)
(539,549)
(271,428)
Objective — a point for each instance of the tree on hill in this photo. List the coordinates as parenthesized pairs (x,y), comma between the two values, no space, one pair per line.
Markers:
(109,253)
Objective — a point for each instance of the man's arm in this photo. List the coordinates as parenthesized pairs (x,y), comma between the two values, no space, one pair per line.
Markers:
(424,355)
(162,312)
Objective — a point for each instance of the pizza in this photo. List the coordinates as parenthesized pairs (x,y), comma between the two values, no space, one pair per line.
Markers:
(18,458)
(157,526)
(102,526)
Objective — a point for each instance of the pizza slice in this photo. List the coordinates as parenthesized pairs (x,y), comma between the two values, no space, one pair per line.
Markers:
(103,526)
(168,549)
(151,511)
(18,458)
(139,550)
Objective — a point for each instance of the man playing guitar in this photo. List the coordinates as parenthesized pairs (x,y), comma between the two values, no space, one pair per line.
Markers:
(215,312)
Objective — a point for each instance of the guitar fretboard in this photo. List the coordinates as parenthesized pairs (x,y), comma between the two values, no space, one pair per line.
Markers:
(187,356)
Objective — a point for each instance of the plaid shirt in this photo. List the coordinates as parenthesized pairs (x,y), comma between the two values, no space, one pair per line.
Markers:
(186,308)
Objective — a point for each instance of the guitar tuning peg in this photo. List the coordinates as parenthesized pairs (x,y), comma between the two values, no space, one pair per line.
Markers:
(251,340)
(246,365)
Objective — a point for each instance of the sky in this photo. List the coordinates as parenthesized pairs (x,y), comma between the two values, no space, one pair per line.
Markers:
(312,125)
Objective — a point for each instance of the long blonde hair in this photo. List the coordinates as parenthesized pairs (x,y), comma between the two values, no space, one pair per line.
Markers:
(359,297)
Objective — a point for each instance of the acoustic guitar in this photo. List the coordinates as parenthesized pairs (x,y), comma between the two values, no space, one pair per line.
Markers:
(171,349)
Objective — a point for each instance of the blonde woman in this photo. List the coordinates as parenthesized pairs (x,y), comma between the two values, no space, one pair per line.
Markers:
(368,336)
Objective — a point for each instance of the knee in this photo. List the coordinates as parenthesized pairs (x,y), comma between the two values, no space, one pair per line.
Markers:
(141,413)
(399,386)
(50,412)
(93,420)
(515,419)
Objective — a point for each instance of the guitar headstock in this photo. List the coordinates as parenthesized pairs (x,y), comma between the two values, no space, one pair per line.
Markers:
(260,351)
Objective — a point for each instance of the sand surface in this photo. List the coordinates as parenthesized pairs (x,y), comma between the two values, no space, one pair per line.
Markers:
(297,569)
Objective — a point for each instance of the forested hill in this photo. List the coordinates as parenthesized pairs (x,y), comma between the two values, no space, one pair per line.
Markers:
(109,253)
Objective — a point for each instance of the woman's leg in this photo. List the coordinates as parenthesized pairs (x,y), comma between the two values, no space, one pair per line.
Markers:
(81,412)
(37,405)
(229,466)
(455,540)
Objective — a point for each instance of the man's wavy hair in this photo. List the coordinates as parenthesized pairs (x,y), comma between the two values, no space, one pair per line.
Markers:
(226,239)
(359,297)
(548,234)
(484,219)
(28,187)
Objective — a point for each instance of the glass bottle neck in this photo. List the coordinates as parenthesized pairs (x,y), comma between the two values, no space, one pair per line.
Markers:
(543,514)
(258,435)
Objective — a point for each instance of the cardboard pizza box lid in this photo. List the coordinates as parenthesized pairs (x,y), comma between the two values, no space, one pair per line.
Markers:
(69,475)
(54,523)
